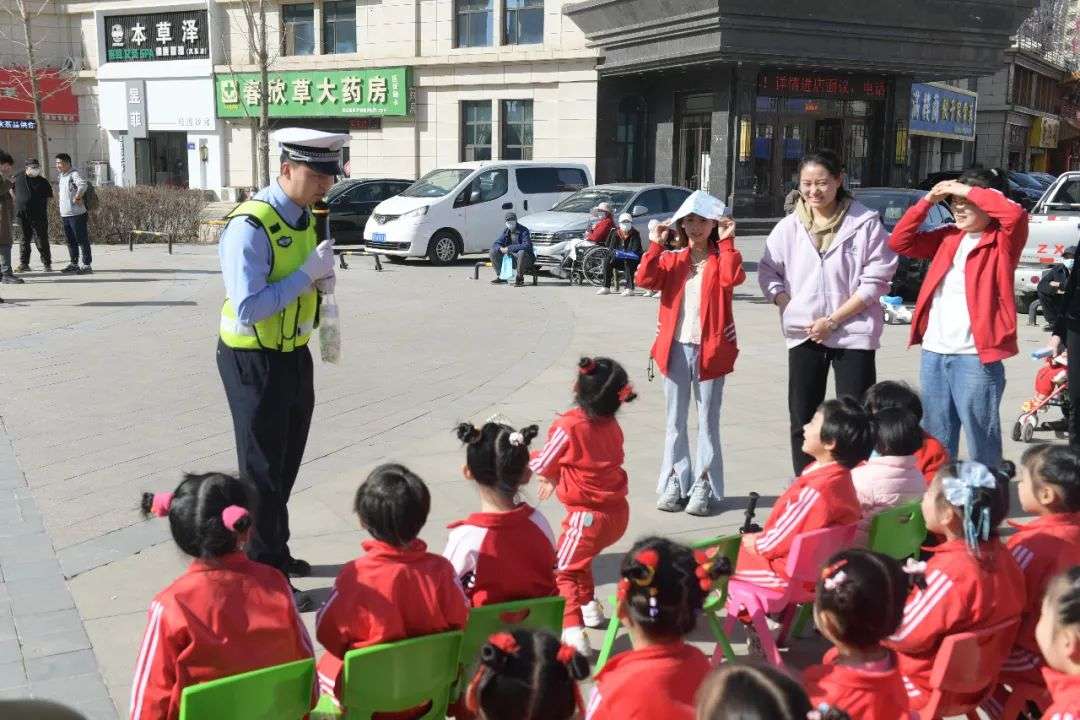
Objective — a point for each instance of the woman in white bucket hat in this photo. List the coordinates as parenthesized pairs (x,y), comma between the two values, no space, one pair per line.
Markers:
(696,345)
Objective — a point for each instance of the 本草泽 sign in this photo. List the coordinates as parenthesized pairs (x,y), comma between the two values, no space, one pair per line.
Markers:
(315,93)
(942,112)
(156,36)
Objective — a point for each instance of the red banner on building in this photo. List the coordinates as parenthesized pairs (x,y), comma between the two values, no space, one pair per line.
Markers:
(59,103)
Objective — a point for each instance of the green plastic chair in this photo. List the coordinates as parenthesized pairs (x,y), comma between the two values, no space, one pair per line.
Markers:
(398,676)
(281,692)
(727,546)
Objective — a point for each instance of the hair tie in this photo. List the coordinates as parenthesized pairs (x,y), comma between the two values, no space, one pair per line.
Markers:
(829,570)
(566,654)
(162,503)
(504,641)
(710,565)
(516,439)
(914,567)
(587,366)
(232,515)
(832,583)
(648,560)
(626,392)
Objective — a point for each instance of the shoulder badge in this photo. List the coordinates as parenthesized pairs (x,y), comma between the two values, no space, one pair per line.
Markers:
(284,241)
(275,227)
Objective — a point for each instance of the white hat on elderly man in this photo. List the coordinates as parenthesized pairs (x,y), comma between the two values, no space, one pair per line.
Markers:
(702,204)
(321,151)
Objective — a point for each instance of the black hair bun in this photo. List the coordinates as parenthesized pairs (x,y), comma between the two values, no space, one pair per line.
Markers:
(586,365)
(146,504)
(529,433)
(467,433)
(1006,471)
(578,667)
(493,657)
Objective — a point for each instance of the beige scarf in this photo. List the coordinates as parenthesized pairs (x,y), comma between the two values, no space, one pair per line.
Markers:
(822,231)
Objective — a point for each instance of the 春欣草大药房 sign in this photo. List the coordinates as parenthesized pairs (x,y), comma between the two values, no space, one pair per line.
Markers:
(315,93)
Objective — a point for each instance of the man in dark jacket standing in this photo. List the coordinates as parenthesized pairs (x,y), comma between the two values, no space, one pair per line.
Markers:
(32,194)
(516,243)
(1051,289)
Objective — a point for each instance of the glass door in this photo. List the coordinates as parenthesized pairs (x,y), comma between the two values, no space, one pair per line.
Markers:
(695,145)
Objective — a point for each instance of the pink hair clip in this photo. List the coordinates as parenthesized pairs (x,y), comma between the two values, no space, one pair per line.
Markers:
(232,515)
(162,503)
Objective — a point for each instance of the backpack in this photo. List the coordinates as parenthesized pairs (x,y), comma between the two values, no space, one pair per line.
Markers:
(90,198)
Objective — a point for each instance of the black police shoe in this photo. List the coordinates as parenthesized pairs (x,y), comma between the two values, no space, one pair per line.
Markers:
(70,269)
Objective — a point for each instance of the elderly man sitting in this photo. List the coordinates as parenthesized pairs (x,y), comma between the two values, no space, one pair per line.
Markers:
(515,242)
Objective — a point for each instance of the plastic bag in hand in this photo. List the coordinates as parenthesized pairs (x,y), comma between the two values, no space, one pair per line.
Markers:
(329,330)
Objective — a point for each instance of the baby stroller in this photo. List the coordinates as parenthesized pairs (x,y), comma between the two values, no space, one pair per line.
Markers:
(1051,390)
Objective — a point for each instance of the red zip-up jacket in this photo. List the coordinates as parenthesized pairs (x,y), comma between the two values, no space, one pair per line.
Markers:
(823,496)
(930,457)
(598,234)
(861,693)
(963,593)
(584,456)
(988,271)
(1065,691)
(659,681)
(384,595)
(667,271)
(221,617)
(1042,548)
(503,556)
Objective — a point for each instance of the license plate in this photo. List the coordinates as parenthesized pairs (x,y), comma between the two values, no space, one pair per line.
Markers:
(378,237)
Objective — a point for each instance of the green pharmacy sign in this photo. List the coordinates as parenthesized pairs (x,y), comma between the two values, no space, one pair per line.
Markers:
(315,93)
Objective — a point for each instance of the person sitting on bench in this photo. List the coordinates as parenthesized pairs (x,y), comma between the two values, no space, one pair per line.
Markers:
(515,242)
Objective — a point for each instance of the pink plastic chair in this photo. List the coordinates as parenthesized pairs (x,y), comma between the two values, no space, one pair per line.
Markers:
(809,552)
(966,670)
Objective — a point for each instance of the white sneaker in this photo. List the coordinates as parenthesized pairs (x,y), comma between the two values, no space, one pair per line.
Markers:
(603,291)
(576,638)
(655,294)
(628,293)
(593,614)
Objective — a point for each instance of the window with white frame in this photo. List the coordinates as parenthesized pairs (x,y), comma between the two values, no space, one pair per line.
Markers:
(524,23)
(475,130)
(473,23)
(517,130)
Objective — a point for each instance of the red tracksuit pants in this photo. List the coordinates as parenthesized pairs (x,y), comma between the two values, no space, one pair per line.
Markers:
(586,532)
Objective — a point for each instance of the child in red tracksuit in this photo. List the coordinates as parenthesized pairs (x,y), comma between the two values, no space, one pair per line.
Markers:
(752,691)
(226,614)
(972,582)
(507,550)
(1049,489)
(582,464)
(396,589)
(889,394)
(838,437)
(660,596)
(1058,633)
(859,602)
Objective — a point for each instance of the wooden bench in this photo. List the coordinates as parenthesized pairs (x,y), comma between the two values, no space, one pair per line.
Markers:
(148,233)
(534,271)
(342,252)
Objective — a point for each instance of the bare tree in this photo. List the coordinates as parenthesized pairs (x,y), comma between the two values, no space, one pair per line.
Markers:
(1046,31)
(27,78)
(255,34)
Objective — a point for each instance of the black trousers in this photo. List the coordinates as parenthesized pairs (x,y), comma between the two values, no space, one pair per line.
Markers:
(271,397)
(1072,344)
(1051,305)
(808,373)
(36,225)
(627,267)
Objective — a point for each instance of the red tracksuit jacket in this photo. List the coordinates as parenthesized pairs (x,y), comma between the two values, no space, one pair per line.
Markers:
(503,556)
(654,683)
(1042,548)
(1065,691)
(667,271)
(823,496)
(221,617)
(988,271)
(384,595)
(584,456)
(930,457)
(861,693)
(962,593)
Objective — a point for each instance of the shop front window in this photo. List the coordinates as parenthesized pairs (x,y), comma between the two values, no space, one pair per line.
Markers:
(339,27)
(298,29)
(473,23)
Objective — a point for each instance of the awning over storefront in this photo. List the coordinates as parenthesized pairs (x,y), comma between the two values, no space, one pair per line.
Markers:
(896,36)
(59,104)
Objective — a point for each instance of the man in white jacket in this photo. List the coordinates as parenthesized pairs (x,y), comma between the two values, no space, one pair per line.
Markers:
(71,189)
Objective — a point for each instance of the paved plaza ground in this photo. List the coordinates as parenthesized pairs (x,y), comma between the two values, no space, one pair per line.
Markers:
(110,388)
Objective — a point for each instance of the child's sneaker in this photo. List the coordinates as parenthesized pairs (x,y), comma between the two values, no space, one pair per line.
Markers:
(576,638)
(603,291)
(628,293)
(671,496)
(700,498)
(593,614)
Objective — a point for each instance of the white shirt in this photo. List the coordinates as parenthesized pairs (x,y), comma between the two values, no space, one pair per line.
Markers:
(688,332)
(948,330)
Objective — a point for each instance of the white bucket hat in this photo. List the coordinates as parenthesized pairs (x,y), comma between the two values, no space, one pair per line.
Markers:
(626,217)
(700,203)
(606,207)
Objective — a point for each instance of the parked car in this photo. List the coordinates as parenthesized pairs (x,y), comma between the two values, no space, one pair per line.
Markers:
(553,230)
(1045,178)
(891,204)
(460,209)
(351,202)
(1027,190)
(1053,225)
(1026,196)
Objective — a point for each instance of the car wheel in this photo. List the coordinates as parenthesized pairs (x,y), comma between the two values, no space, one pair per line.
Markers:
(443,249)
(396,259)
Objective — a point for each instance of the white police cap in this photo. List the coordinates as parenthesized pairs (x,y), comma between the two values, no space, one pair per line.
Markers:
(321,151)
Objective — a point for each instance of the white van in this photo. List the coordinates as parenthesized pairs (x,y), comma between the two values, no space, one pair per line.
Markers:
(460,210)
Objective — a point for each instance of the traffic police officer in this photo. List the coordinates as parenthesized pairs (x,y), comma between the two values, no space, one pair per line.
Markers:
(274,267)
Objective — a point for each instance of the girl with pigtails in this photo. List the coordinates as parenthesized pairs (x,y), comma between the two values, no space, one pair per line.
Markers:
(507,550)
(582,464)
(226,614)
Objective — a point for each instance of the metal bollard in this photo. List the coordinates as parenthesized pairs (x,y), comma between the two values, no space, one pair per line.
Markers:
(476,270)
(378,263)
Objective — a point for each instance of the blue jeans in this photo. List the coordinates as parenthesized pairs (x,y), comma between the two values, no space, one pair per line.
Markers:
(960,390)
(78,237)
(681,380)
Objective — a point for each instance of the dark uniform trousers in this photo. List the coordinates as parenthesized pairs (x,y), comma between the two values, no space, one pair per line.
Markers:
(271,397)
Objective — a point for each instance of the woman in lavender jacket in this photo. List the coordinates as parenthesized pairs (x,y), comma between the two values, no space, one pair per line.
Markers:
(825,266)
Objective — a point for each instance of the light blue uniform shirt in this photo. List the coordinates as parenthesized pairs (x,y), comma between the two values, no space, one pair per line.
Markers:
(244,251)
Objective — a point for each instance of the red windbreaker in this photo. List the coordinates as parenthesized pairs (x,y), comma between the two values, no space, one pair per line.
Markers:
(667,271)
(988,271)
(963,593)
(861,693)
(659,681)
(503,556)
(823,496)
(1065,690)
(384,595)
(599,232)
(221,617)
(930,457)
(584,457)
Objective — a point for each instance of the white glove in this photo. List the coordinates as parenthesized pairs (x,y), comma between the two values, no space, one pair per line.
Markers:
(326,284)
(320,262)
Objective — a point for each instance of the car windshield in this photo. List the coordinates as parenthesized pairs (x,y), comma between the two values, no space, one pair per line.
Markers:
(585,200)
(1025,180)
(890,205)
(437,183)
